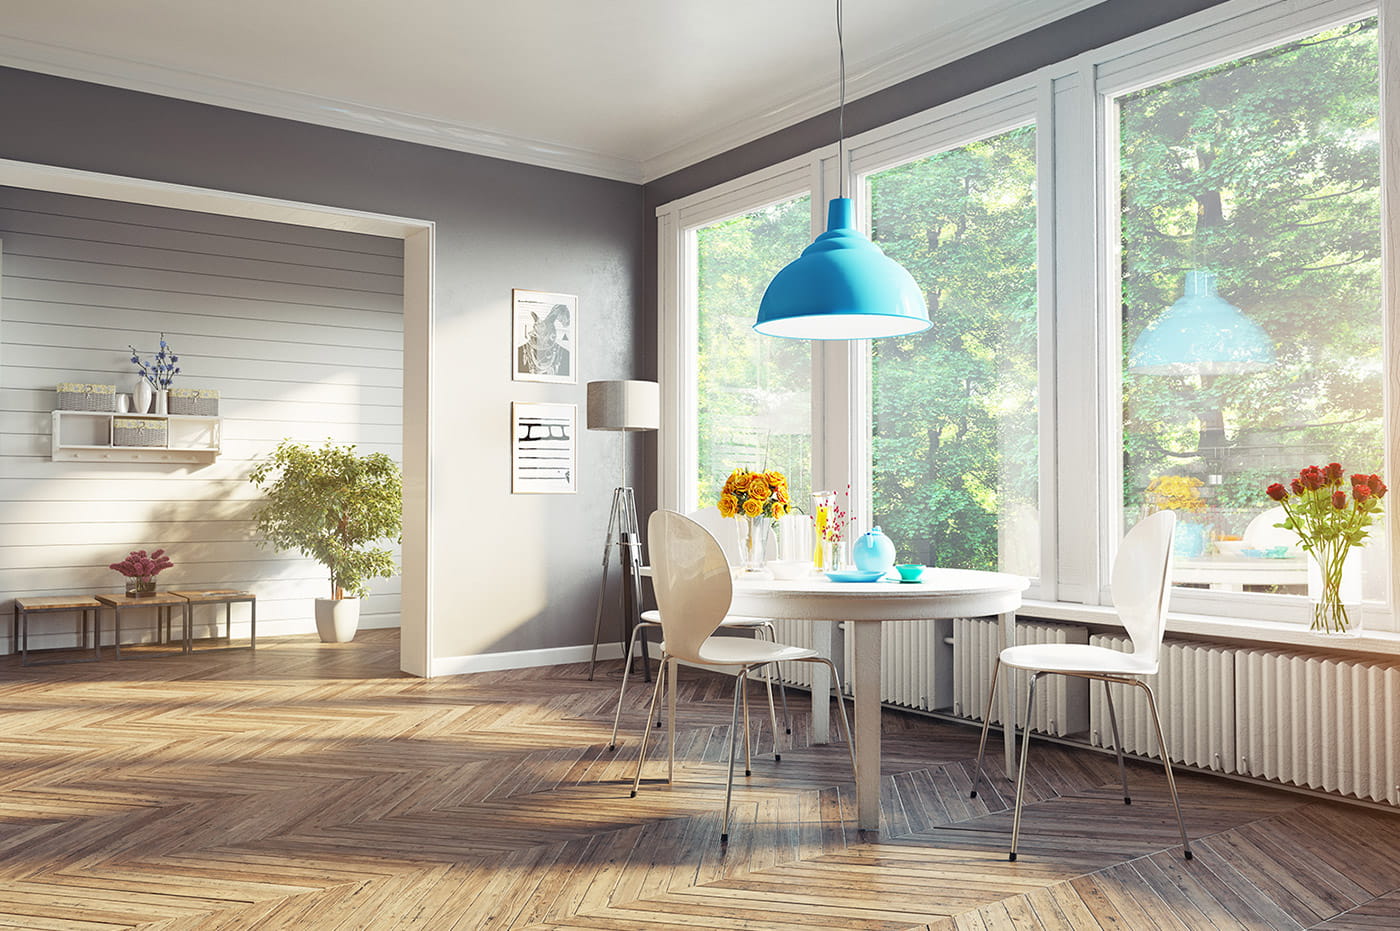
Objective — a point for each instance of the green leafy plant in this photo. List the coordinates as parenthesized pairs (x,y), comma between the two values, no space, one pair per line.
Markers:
(332,505)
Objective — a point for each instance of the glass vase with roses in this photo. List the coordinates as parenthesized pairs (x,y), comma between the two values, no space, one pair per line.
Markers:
(754,499)
(1330,515)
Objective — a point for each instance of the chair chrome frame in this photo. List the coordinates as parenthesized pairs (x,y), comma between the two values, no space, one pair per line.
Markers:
(741,678)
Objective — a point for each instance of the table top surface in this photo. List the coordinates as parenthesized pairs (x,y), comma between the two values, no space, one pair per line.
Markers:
(56,603)
(215,595)
(934,582)
(144,601)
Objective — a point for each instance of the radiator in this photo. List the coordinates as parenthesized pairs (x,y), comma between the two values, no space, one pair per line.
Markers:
(795,633)
(916,664)
(1195,697)
(1061,706)
(1322,722)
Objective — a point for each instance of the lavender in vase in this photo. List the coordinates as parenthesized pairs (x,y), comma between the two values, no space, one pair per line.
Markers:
(158,373)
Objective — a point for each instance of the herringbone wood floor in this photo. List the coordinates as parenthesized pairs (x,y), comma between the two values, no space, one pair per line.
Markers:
(312,786)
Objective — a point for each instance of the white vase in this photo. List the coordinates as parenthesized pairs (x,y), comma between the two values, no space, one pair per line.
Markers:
(162,402)
(141,397)
(337,619)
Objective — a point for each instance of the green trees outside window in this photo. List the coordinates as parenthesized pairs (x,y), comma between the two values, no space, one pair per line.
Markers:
(955,433)
(1266,172)
(754,392)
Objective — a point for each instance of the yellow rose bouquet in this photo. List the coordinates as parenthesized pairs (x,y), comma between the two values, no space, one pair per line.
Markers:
(755,494)
(751,497)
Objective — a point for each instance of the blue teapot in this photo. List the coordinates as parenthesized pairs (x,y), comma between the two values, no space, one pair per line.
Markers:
(874,552)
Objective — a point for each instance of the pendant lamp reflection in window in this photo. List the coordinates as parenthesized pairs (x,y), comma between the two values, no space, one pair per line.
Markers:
(842,286)
(1201,334)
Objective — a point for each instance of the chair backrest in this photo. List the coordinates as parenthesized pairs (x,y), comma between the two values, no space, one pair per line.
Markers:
(1142,583)
(691,579)
(721,528)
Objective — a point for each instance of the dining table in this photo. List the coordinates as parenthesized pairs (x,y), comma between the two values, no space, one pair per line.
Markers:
(863,607)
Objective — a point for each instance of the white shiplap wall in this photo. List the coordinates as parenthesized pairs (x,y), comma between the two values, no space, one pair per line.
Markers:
(300,330)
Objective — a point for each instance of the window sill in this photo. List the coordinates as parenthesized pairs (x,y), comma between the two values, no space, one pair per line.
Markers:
(1272,633)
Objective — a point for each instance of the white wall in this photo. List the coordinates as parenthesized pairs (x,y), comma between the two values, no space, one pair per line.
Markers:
(301,331)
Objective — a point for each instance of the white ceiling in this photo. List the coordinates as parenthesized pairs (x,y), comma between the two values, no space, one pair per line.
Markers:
(625,89)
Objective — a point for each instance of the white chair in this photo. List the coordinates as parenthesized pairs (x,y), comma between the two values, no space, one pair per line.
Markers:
(693,590)
(710,519)
(1141,587)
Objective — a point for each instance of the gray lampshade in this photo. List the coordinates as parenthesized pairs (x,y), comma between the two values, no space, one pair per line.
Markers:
(624,405)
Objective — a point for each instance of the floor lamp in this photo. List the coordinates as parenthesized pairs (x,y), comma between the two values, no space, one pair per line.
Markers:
(625,407)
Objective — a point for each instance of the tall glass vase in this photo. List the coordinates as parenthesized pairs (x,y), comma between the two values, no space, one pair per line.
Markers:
(1334,588)
(823,506)
(753,544)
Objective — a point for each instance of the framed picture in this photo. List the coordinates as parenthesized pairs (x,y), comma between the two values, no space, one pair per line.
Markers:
(545,336)
(543,450)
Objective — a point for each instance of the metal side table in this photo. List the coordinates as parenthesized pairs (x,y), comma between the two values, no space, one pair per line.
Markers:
(164,603)
(85,605)
(228,598)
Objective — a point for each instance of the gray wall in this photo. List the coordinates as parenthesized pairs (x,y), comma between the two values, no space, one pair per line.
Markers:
(1088,29)
(500,225)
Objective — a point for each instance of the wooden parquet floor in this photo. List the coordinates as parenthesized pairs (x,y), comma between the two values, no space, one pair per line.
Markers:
(312,786)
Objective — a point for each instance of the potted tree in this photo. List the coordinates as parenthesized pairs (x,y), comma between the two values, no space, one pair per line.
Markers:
(333,505)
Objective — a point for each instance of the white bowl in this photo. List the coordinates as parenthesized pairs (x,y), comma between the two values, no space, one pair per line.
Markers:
(1232,547)
(788,569)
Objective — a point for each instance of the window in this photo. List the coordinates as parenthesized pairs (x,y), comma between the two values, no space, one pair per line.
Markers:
(1250,207)
(954,445)
(753,393)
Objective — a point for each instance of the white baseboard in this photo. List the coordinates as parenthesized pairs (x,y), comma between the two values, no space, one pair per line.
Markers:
(521,659)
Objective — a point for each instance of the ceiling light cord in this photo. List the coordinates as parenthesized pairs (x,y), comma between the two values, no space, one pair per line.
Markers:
(841,112)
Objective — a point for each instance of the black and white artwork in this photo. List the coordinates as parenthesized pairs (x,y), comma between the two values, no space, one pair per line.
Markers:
(546,329)
(543,449)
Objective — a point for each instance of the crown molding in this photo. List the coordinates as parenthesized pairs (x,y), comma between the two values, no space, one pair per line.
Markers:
(956,40)
(113,71)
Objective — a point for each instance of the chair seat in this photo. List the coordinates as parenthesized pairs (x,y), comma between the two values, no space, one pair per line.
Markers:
(741,651)
(1076,658)
(653,617)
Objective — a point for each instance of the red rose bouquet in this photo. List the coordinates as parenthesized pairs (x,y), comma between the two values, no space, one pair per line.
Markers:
(1330,515)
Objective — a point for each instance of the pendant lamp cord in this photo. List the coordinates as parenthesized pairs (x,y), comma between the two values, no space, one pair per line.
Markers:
(841,112)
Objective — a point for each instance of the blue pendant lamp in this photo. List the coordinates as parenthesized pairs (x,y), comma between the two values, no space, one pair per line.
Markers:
(1201,334)
(842,286)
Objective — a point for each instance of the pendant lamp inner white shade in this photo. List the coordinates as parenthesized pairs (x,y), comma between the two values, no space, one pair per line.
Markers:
(624,405)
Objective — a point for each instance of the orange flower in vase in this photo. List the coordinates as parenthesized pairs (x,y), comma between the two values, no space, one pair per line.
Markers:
(754,499)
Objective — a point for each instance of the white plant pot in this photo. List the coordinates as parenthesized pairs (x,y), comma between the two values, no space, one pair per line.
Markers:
(337,619)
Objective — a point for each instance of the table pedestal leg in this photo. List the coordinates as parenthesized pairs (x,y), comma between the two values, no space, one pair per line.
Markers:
(824,642)
(865,679)
(1008,695)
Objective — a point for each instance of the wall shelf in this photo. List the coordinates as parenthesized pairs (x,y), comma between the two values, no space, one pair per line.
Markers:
(87,436)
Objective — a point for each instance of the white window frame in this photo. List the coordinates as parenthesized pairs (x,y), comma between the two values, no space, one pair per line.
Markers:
(1070,103)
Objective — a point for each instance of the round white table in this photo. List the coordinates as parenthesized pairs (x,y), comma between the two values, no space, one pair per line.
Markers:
(941,593)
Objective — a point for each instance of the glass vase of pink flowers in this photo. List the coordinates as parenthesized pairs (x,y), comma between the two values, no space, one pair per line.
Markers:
(1331,514)
(141,569)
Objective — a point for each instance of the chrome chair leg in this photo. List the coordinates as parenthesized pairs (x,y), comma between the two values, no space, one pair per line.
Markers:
(1166,764)
(986,724)
(748,741)
(840,705)
(1117,742)
(646,731)
(1021,773)
(782,687)
(622,690)
(733,735)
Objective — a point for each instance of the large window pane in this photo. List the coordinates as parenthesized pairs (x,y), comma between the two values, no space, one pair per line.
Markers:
(753,392)
(1257,182)
(955,444)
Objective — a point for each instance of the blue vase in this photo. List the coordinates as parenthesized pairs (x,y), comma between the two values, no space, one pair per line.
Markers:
(1189,540)
(874,552)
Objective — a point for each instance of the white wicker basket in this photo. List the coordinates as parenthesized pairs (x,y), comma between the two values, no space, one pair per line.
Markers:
(75,397)
(138,431)
(201,401)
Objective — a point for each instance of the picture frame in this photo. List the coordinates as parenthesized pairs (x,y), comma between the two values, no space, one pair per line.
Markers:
(544,336)
(543,448)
